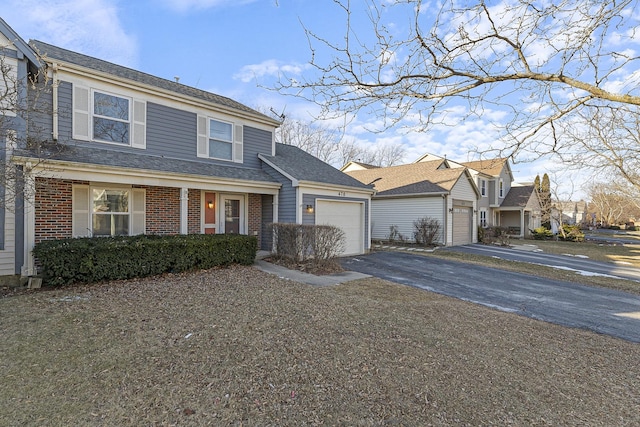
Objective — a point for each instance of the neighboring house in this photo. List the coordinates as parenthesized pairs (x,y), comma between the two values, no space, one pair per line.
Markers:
(430,189)
(121,152)
(495,180)
(572,212)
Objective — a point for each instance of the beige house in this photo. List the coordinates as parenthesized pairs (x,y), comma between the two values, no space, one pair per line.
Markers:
(502,202)
(430,188)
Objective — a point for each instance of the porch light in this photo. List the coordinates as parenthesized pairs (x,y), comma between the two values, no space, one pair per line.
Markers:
(210,204)
(309,208)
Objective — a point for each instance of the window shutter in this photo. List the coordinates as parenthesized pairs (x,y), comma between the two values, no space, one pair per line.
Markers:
(81,113)
(238,144)
(203,146)
(139,137)
(138,211)
(81,215)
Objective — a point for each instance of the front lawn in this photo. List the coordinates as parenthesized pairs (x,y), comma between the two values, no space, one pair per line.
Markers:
(237,346)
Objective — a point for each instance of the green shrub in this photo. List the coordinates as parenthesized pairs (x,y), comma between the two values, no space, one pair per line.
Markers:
(542,233)
(95,259)
(572,233)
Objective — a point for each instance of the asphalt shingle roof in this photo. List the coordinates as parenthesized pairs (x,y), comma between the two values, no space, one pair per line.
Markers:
(491,167)
(414,178)
(112,158)
(518,196)
(53,52)
(304,167)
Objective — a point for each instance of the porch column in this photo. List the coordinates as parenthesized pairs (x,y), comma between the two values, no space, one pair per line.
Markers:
(184,211)
(522,223)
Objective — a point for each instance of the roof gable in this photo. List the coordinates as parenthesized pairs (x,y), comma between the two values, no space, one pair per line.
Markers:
(24,50)
(519,196)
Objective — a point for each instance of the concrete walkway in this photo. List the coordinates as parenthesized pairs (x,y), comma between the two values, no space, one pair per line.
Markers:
(301,277)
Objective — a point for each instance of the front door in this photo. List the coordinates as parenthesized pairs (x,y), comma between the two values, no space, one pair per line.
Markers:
(233,214)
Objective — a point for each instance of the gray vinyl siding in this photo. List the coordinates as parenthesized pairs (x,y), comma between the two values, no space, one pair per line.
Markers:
(256,141)
(402,213)
(171,133)
(267,219)
(286,198)
(310,218)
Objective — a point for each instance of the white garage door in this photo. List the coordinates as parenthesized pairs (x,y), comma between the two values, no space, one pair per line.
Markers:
(461,225)
(349,216)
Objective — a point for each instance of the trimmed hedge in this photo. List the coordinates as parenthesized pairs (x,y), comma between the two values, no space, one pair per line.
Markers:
(95,259)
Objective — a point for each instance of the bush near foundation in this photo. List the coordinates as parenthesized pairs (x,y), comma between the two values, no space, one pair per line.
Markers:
(301,243)
(95,259)
(494,236)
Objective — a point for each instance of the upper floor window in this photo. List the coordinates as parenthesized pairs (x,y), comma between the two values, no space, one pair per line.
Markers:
(111,119)
(218,139)
(107,117)
(483,187)
(501,189)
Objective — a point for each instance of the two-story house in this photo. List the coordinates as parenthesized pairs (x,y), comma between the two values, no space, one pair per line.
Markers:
(502,202)
(107,150)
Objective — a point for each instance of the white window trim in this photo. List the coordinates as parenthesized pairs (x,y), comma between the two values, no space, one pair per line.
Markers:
(82,215)
(483,222)
(92,114)
(483,187)
(501,188)
(203,131)
(83,98)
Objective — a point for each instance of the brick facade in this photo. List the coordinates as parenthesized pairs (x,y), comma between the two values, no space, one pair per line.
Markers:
(194,212)
(254,215)
(54,210)
(162,210)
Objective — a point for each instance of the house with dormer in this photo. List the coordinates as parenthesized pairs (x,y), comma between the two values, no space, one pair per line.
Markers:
(108,150)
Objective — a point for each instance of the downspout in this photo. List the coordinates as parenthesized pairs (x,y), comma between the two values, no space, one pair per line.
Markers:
(445,230)
(56,83)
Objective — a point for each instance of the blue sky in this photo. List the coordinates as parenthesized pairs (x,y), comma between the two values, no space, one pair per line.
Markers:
(226,47)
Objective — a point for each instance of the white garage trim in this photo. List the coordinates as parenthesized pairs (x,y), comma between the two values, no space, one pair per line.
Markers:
(347,215)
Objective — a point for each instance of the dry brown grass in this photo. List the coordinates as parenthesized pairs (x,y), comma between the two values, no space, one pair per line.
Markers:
(628,255)
(240,347)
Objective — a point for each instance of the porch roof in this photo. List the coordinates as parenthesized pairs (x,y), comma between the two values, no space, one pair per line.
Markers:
(517,197)
(117,159)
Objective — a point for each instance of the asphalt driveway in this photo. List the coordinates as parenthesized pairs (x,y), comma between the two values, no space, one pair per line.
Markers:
(569,304)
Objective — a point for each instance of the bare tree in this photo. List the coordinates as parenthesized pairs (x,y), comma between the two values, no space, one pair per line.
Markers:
(331,146)
(321,142)
(560,70)
(607,203)
(24,106)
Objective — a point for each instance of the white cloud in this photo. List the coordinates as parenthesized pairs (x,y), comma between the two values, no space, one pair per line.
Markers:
(87,26)
(270,67)
(190,5)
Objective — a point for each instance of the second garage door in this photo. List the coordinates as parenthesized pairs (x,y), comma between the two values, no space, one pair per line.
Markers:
(349,216)
(461,225)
